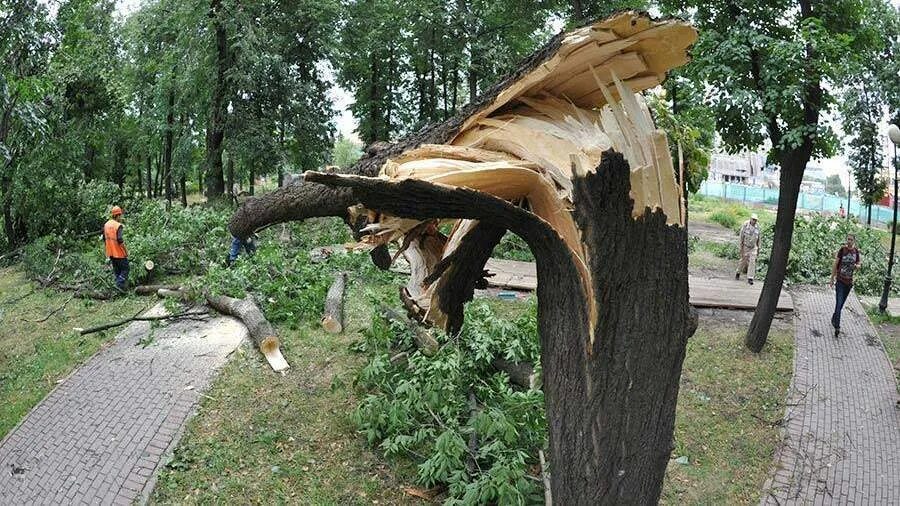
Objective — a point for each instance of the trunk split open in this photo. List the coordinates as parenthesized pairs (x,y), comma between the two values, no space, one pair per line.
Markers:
(563,153)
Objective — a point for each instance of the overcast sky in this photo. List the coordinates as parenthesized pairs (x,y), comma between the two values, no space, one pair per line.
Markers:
(346,123)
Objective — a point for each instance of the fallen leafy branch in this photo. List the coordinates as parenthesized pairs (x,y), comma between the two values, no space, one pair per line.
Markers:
(138,318)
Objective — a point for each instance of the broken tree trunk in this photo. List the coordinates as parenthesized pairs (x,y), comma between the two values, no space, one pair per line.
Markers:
(333,317)
(261,331)
(610,384)
(565,155)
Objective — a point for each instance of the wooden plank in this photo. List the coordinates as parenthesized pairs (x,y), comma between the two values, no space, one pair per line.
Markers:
(705,292)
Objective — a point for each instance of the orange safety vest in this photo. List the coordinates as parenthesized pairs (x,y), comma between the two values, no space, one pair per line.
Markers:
(110,237)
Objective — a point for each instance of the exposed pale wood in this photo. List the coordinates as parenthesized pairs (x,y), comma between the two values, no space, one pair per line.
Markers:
(333,316)
(261,331)
(152,289)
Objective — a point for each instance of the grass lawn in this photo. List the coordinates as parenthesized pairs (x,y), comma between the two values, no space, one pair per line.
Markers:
(728,402)
(261,437)
(35,355)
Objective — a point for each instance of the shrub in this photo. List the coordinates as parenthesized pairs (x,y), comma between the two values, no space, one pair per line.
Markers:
(513,247)
(730,215)
(816,241)
(422,408)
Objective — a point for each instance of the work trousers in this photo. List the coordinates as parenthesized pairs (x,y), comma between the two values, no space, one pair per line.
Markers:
(747,262)
(841,292)
(120,270)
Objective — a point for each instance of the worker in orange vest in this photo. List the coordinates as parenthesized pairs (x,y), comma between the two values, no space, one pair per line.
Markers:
(115,247)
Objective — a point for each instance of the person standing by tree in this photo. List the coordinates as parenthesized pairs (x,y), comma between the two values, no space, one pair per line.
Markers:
(847,261)
(749,248)
(115,247)
(841,212)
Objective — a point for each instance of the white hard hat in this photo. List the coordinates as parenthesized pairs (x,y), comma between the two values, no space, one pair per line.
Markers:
(754,216)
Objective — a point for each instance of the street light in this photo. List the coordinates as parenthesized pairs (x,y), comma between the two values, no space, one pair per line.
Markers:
(894,135)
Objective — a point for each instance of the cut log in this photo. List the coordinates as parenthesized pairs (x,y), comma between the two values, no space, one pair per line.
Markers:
(167,293)
(261,331)
(152,289)
(427,344)
(333,317)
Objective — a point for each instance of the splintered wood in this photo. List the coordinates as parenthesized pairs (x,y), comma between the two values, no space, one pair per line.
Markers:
(551,125)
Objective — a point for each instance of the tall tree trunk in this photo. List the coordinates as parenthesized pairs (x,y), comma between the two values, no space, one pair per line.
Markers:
(869,215)
(215,130)
(577,10)
(251,177)
(229,175)
(140,179)
(184,202)
(793,164)
(167,144)
(791,177)
(372,134)
(149,179)
(281,147)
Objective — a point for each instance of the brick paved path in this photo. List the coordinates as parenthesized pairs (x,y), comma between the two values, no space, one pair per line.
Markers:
(842,431)
(100,436)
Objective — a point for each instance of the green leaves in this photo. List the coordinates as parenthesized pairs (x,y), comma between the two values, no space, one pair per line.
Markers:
(421,407)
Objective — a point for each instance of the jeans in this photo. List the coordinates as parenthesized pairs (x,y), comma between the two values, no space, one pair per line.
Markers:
(235,250)
(841,292)
(120,270)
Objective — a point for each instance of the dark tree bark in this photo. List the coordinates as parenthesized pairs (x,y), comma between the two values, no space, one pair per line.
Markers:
(149,179)
(610,390)
(251,178)
(793,164)
(167,144)
(229,176)
(215,130)
(183,183)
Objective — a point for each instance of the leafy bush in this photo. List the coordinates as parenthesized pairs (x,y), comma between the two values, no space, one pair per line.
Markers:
(816,241)
(730,215)
(421,408)
(728,251)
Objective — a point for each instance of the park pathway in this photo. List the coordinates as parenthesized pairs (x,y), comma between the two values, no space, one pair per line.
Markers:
(841,429)
(101,435)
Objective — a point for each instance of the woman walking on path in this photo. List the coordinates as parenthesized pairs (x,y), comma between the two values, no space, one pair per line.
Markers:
(847,261)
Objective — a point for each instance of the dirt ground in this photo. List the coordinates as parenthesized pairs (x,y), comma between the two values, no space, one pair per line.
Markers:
(712,232)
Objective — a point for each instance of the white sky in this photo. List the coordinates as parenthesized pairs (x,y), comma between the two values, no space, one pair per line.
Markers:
(346,123)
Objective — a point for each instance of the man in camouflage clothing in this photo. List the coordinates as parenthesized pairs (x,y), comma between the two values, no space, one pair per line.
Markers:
(749,247)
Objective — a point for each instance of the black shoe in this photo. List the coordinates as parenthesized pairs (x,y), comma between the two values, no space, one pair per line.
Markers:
(737,276)
(750,281)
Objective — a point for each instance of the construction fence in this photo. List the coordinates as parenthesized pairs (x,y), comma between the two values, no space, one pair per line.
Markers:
(808,201)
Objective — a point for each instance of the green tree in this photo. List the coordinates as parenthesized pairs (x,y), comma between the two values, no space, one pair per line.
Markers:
(834,186)
(345,152)
(870,92)
(25,35)
(770,67)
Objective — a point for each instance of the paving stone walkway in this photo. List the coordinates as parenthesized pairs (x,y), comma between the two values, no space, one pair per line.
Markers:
(101,435)
(841,428)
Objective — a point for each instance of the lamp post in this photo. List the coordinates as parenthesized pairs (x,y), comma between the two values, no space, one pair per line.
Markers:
(894,135)
(849,187)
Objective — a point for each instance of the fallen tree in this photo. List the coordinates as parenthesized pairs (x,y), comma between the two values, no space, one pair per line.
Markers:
(261,331)
(565,155)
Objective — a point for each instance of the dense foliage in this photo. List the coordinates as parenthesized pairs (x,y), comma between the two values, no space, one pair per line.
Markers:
(817,239)
(455,415)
